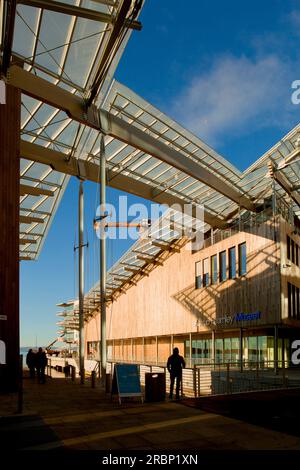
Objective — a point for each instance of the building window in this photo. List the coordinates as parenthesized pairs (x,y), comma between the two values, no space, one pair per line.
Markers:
(242,259)
(297,312)
(297,254)
(288,247)
(214,269)
(222,264)
(205,272)
(293,251)
(232,263)
(198,273)
(293,301)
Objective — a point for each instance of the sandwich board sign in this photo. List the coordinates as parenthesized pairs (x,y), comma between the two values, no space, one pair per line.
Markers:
(126,381)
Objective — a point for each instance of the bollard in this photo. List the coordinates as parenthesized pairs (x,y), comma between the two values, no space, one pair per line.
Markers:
(93,379)
(73,373)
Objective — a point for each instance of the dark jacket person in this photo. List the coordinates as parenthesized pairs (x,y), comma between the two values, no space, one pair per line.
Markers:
(175,365)
(41,363)
(30,361)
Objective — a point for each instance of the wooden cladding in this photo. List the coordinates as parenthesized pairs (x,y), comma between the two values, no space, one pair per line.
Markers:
(9,234)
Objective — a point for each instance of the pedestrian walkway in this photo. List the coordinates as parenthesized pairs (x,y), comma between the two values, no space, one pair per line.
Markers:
(65,415)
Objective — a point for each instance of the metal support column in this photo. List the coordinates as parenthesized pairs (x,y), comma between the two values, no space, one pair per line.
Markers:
(213,347)
(190,351)
(241,350)
(276,349)
(103,262)
(143,349)
(81,281)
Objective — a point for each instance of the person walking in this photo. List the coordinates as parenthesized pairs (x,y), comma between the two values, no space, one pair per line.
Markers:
(30,361)
(41,363)
(175,365)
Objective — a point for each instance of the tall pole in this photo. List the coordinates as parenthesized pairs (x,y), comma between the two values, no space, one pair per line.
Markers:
(81,282)
(103,261)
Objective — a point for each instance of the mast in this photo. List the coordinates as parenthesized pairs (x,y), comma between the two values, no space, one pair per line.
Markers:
(81,281)
(103,260)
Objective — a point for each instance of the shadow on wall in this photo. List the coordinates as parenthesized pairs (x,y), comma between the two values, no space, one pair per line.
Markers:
(256,291)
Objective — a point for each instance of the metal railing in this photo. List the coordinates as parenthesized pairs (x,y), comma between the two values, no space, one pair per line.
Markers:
(218,378)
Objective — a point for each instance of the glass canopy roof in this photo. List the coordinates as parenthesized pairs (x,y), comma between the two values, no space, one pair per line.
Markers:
(76,45)
(63,42)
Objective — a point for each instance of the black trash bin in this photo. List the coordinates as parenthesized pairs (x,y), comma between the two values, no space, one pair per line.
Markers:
(155,386)
(67,370)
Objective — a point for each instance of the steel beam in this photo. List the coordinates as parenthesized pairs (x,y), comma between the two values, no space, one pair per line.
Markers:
(26,241)
(116,127)
(90,171)
(34,191)
(80,12)
(27,219)
(111,45)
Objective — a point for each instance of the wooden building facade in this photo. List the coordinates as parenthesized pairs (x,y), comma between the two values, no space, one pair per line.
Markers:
(236,299)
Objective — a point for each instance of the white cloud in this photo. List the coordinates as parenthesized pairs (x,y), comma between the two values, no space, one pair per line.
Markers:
(294,18)
(236,96)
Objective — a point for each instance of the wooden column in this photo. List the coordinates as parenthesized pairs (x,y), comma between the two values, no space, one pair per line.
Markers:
(9,237)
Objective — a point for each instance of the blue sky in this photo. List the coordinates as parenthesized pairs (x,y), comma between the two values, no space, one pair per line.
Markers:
(222,69)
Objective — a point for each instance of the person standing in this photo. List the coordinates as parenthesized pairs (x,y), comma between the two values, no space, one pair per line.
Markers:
(30,361)
(175,365)
(41,363)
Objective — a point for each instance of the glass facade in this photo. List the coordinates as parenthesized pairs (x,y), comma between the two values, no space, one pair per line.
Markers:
(256,349)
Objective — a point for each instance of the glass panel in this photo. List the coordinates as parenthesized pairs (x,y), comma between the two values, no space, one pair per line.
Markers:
(227,350)
(288,245)
(252,349)
(214,269)
(205,272)
(235,349)
(198,272)
(293,251)
(242,259)
(222,264)
(262,350)
(270,350)
(289,299)
(232,263)
(219,350)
